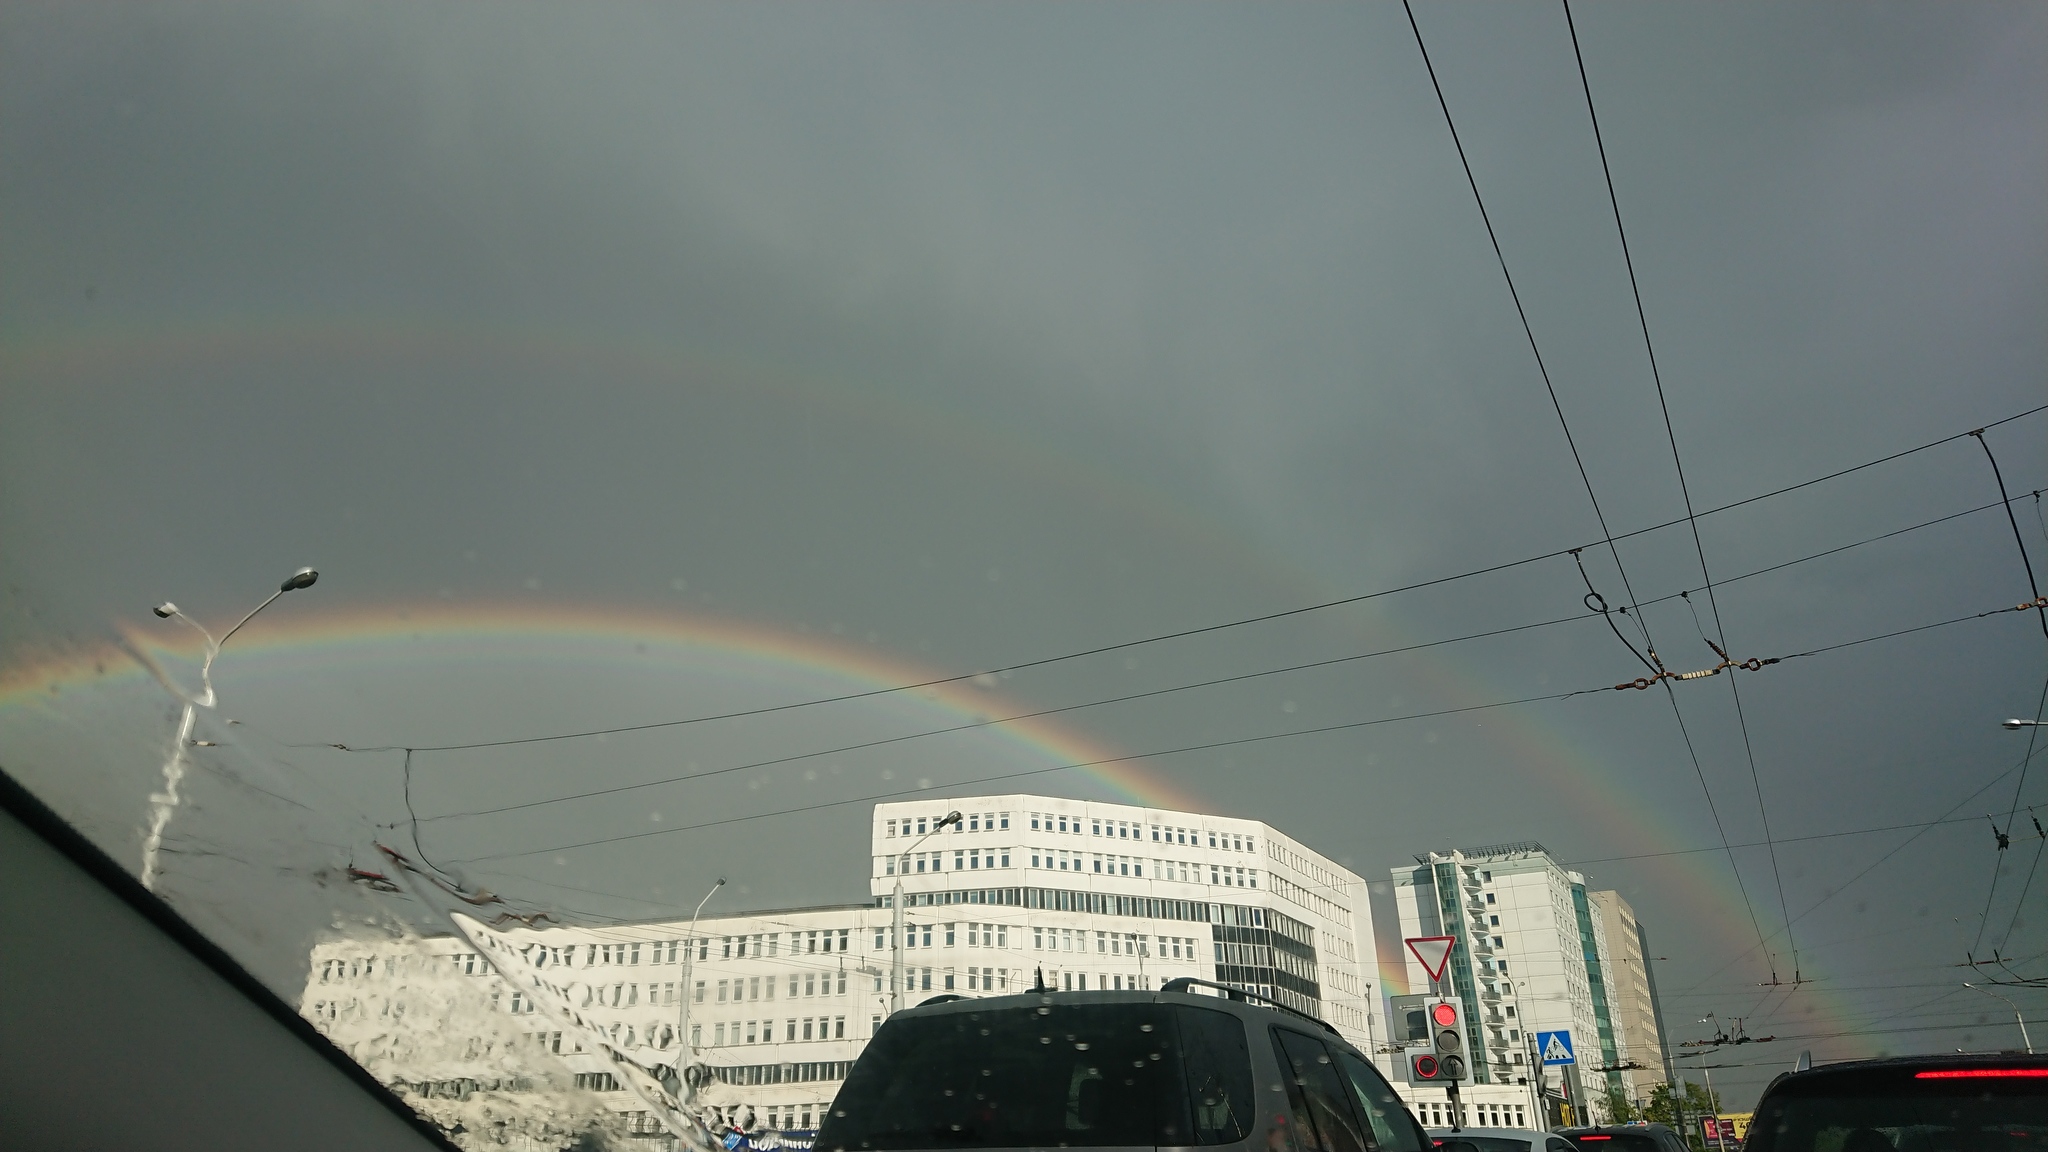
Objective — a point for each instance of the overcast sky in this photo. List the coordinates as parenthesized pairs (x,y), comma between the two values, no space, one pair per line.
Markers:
(949,337)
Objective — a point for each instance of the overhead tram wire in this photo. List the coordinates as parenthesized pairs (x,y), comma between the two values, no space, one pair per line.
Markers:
(1641,624)
(1028,772)
(1685,491)
(978,724)
(1162,637)
(1901,846)
(1235,742)
(863,745)
(2005,837)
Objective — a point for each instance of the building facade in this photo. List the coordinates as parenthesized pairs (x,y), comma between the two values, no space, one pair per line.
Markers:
(766,1011)
(1530,956)
(1632,992)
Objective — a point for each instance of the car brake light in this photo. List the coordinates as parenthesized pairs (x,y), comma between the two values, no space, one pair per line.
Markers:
(1982,1074)
(1596,1137)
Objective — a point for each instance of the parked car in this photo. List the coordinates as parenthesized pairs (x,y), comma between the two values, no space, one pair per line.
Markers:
(1962,1103)
(1175,1067)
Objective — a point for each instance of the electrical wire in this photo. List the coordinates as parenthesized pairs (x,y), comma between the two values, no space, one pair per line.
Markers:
(1038,772)
(1685,491)
(1177,635)
(972,725)
(1592,599)
(1239,741)
(1893,851)
(2005,837)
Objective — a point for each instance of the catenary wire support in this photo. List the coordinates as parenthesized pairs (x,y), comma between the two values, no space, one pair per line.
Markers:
(2017,539)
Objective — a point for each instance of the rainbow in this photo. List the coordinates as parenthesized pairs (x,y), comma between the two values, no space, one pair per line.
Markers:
(309,640)
(1533,740)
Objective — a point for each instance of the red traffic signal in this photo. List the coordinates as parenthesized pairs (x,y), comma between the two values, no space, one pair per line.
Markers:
(1422,1068)
(1444,1015)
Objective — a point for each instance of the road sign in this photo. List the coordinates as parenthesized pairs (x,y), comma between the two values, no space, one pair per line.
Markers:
(1433,951)
(1555,1048)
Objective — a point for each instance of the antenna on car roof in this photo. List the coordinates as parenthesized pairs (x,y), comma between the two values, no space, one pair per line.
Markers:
(1038,984)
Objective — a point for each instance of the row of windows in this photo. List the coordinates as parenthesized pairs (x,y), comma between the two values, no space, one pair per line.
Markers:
(752,987)
(768,944)
(354,967)
(947,935)
(971,822)
(964,860)
(763,1031)
(1136,830)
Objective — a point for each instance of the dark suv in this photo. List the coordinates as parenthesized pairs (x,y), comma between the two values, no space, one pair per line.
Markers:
(1626,1138)
(1985,1103)
(1166,1069)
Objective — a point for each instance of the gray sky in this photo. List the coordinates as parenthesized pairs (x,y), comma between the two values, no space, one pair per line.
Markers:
(950,337)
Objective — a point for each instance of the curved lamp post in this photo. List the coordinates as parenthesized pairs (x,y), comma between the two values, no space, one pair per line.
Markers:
(896,928)
(164,803)
(686,1051)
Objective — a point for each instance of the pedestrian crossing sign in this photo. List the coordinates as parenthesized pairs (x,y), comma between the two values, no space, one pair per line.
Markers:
(1555,1048)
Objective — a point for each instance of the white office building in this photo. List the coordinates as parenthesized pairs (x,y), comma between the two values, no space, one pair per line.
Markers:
(1531,956)
(773,1007)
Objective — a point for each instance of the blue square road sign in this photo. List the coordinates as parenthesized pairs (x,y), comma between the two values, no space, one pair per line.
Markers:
(1555,1048)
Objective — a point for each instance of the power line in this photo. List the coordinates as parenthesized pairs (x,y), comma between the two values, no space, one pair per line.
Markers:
(1895,849)
(1162,637)
(863,745)
(844,748)
(2005,837)
(1780,840)
(1038,772)
(1641,624)
(1685,491)
(1346,726)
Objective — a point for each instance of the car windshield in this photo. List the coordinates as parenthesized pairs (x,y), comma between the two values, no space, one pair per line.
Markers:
(1051,1075)
(589,555)
(1946,1110)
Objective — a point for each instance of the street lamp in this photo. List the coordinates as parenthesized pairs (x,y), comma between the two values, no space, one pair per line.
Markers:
(2024,1039)
(2016,724)
(684,1049)
(896,937)
(164,803)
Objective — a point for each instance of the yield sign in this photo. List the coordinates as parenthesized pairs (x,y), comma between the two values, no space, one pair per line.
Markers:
(1433,951)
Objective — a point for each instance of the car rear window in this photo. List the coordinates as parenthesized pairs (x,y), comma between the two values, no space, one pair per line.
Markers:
(1050,1075)
(1903,1110)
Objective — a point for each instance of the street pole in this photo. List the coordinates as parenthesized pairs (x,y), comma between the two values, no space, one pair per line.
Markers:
(163,804)
(686,1051)
(896,906)
(2024,1038)
(1719,1141)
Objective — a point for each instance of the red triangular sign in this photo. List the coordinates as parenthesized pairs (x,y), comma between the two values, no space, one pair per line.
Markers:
(1433,951)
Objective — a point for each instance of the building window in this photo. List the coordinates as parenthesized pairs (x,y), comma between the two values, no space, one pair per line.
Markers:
(949,980)
(719,1035)
(1489,897)
(1038,939)
(1004,819)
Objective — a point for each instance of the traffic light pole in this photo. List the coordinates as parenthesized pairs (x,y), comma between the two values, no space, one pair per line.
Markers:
(1451,1087)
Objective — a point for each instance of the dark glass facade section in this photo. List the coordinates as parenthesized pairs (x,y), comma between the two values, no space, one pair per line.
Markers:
(1269,953)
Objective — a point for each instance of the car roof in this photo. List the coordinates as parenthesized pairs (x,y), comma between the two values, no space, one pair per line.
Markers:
(1817,1076)
(1468,1130)
(1247,1010)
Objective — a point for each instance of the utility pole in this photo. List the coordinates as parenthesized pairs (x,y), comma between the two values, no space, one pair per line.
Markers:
(896,902)
(686,1051)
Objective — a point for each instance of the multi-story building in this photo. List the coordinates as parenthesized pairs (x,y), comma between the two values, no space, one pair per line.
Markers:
(773,1007)
(1632,992)
(1531,956)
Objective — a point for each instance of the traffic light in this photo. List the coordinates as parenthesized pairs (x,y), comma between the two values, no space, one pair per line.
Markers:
(1447,1040)
(1445,1061)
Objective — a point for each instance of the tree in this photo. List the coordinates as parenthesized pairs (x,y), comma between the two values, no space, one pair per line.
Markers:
(1698,1102)
(1621,1107)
